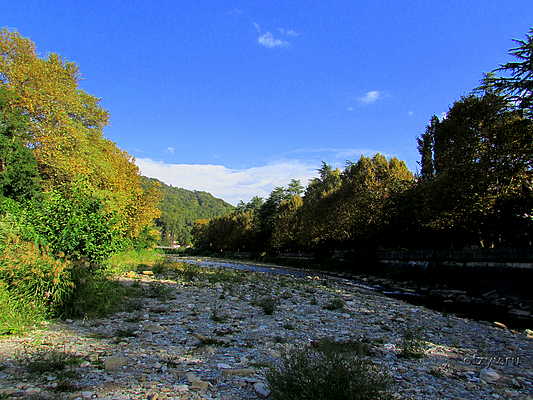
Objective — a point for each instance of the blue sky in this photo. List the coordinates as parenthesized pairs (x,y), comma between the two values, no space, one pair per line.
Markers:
(237,97)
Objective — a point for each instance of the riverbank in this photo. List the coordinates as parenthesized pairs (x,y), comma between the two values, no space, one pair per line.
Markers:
(497,301)
(207,334)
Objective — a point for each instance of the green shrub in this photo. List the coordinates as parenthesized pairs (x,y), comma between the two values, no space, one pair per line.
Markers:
(51,361)
(412,345)
(308,374)
(96,295)
(268,304)
(32,275)
(335,304)
(75,222)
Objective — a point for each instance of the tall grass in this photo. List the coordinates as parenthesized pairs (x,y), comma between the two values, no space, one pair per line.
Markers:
(132,260)
(16,316)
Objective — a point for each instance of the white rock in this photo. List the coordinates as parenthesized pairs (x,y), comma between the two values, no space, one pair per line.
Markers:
(262,390)
(489,375)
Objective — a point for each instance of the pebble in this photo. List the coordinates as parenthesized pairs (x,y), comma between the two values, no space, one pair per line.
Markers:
(262,390)
(179,352)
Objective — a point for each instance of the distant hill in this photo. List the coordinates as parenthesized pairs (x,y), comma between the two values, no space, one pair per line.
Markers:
(181,207)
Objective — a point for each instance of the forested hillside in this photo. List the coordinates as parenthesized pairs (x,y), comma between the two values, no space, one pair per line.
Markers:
(180,208)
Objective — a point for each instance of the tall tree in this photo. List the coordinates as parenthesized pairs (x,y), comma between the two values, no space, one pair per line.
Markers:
(65,131)
(517,87)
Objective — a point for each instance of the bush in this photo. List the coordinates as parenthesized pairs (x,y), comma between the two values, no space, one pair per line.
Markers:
(32,275)
(16,315)
(95,295)
(335,304)
(74,222)
(308,374)
(268,304)
(412,345)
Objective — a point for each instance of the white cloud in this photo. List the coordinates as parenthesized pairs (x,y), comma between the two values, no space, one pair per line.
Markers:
(410,113)
(171,150)
(268,40)
(231,185)
(349,109)
(288,32)
(370,97)
(257,27)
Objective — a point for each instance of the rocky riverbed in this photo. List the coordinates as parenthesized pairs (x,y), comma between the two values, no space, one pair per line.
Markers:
(209,334)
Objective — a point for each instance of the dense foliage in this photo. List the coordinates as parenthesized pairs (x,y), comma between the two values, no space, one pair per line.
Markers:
(69,198)
(180,208)
(475,186)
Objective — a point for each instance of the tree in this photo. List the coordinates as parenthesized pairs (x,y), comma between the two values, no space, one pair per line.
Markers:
(481,155)
(19,176)
(518,86)
(425,149)
(295,188)
(65,132)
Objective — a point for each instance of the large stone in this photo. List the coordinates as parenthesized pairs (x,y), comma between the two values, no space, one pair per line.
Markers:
(115,363)
(489,375)
(262,390)
(238,372)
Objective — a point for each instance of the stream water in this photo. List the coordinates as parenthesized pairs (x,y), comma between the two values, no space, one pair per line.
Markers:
(480,312)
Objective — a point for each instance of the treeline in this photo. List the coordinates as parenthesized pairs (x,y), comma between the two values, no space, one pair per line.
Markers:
(180,208)
(474,187)
(69,197)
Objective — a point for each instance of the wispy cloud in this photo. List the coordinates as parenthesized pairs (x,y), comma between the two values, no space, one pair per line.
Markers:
(231,185)
(370,97)
(171,150)
(410,113)
(268,40)
(288,32)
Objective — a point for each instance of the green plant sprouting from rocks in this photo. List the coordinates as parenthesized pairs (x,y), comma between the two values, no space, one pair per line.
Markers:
(412,344)
(312,374)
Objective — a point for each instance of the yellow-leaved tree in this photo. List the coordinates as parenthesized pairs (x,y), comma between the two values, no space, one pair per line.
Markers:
(65,131)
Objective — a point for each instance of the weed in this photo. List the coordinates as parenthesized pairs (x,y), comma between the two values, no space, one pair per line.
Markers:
(280,339)
(159,291)
(268,304)
(412,345)
(16,315)
(307,374)
(121,263)
(335,304)
(65,386)
(51,361)
(123,333)
(222,275)
(217,316)
(207,341)
(289,326)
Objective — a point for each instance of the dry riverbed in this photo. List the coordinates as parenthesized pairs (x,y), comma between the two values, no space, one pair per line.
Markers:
(207,334)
